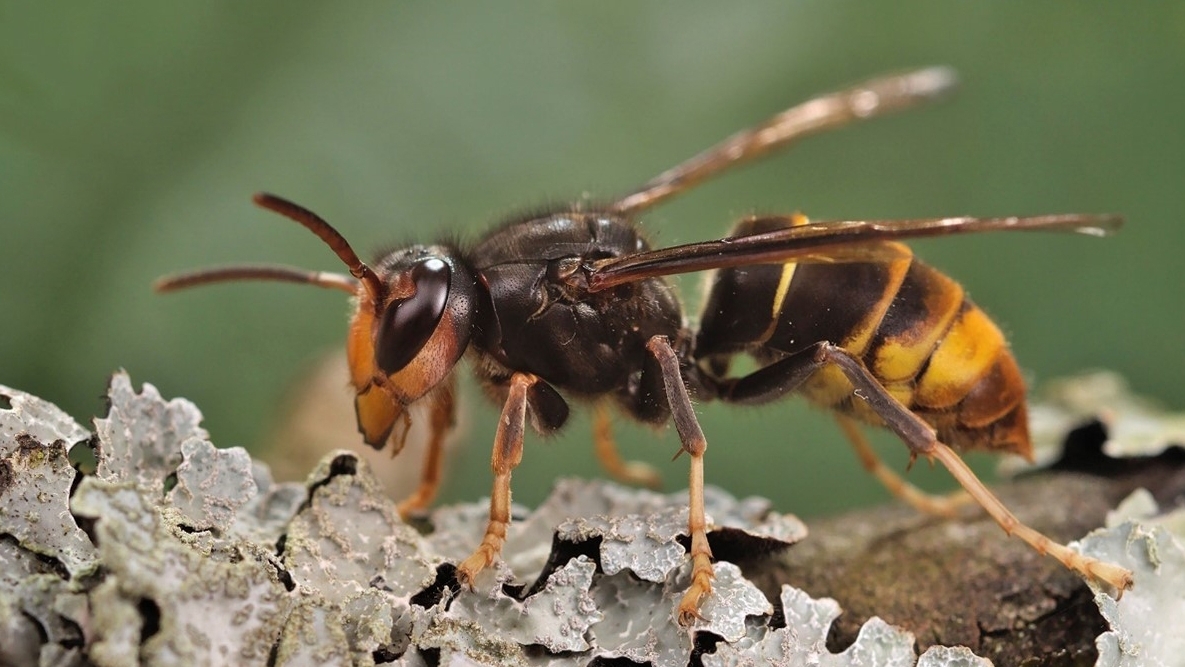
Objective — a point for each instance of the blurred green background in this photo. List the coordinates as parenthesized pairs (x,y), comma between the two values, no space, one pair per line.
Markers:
(132,135)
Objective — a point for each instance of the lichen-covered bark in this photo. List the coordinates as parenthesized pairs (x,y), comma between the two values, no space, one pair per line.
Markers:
(963,582)
(176,552)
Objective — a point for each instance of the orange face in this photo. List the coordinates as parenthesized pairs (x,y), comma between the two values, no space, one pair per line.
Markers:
(376,409)
(400,349)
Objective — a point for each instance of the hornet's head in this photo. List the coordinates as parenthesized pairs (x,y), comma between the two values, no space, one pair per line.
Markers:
(406,338)
(411,324)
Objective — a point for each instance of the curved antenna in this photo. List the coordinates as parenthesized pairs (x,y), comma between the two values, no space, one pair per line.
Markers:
(317,225)
(868,100)
(285,274)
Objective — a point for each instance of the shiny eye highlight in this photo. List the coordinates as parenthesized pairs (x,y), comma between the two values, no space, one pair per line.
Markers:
(407,324)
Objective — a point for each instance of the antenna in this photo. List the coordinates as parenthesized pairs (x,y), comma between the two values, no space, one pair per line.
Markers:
(314,223)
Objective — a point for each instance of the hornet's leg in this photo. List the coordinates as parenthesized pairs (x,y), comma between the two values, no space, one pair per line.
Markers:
(442,413)
(629,472)
(785,375)
(694,444)
(508,452)
(927,503)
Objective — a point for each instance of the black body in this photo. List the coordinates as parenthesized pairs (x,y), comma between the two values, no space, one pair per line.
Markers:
(536,314)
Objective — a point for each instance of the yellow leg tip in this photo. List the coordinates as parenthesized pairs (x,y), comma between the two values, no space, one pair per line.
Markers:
(688,611)
(701,587)
(411,507)
(472,566)
(1118,578)
(641,474)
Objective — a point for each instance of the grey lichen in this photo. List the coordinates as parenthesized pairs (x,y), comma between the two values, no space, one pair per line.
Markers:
(1137,636)
(951,656)
(264,518)
(175,552)
(35,479)
(803,640)
(1136,426)
(212,484)
(140,438)
(36,600)
(626,609)
(41,420)
(348,536)
(184,598)
(639,530)
(647,545)
(557,617)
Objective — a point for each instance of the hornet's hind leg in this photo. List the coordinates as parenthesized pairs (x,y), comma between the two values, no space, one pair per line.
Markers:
(927,503)
(636,473)
(786,375)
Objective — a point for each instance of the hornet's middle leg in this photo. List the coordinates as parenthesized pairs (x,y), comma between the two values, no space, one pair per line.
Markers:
(636,473)
(694,444)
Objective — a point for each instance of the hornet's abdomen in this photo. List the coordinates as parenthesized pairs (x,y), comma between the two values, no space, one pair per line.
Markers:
(924,340)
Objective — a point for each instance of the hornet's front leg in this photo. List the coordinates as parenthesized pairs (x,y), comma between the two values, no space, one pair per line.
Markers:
(508,452)
(694,444)
(442,417)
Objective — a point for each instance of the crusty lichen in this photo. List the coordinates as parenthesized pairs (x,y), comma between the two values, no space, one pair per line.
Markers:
(175,552)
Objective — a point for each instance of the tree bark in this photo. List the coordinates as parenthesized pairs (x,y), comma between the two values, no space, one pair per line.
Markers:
(963,581)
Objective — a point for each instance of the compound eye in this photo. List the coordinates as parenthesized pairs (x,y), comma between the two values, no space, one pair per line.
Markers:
(407,324)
